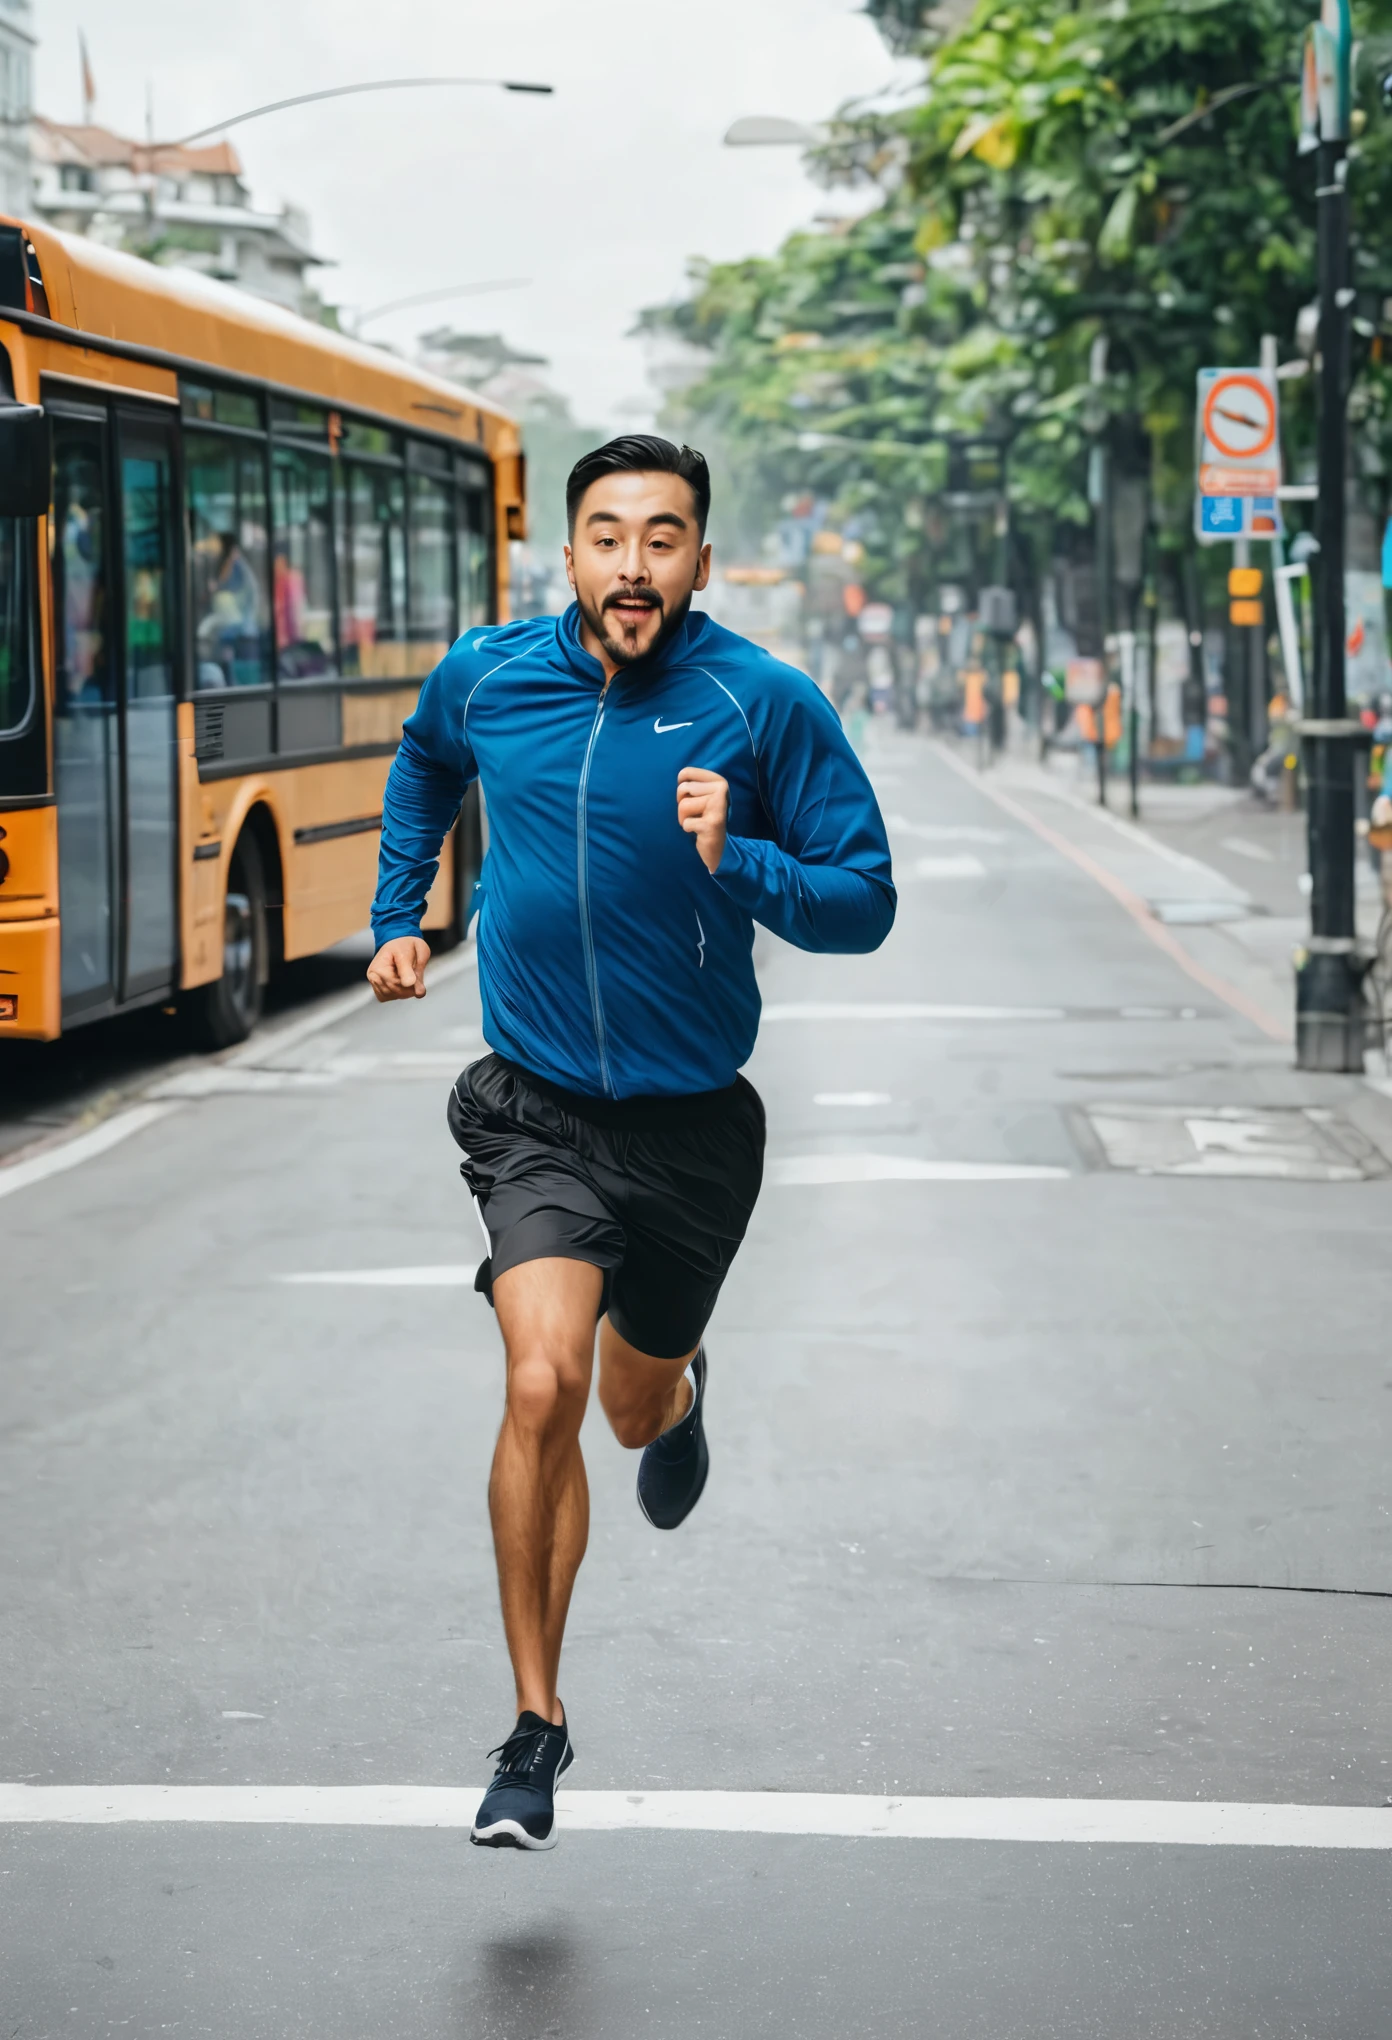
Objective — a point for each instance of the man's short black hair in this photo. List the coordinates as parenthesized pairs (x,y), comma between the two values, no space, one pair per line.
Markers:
(640,453)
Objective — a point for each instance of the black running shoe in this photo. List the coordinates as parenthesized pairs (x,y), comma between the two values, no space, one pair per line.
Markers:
(518,1811)
(673,1469)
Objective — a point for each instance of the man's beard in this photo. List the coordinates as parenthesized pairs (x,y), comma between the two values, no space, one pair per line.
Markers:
(621,653)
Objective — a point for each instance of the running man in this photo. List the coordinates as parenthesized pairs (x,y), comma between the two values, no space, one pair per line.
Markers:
(655,785)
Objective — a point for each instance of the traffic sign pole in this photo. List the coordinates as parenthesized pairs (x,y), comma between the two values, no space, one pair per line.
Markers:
(1329,997)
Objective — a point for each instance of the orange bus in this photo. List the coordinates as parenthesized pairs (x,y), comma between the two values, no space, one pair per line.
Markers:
(232,544)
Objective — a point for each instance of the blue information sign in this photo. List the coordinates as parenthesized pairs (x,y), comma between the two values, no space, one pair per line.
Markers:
(1239,517)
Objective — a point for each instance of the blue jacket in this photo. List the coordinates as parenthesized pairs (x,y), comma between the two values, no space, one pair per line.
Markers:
(610,960)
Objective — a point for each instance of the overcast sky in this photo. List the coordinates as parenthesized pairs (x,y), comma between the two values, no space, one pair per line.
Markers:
(600,194)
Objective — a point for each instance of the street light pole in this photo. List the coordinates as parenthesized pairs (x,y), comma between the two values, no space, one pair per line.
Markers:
(1328,999)
(218,127)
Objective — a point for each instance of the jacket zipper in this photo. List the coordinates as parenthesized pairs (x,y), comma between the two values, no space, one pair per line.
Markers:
(583,882)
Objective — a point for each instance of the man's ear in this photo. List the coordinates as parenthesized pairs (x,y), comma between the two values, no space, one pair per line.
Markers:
(702,570)
(570,567)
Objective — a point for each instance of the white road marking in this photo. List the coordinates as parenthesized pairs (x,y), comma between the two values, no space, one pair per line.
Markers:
(1201,913)
(841,1010)
(274,1041)
(269,1043)
(389,1278)
(234,1073)
(1284,1143)
(962,866)
(425,1059)
(1242,848)
(1129,1822)
(797,1170)
(945,832)
(218,1080)
(69,1154)
(852,1098)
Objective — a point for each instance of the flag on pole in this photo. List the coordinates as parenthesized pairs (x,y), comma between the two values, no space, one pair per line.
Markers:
(89,86)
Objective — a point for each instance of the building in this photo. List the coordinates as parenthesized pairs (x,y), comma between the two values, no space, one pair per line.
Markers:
(488,363)
(16,71)
(187,207)
(491,365)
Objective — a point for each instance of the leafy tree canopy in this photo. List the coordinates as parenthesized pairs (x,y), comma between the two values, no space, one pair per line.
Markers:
(1048,189)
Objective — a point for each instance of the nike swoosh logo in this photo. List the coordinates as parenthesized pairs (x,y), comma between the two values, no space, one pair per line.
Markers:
(665,728)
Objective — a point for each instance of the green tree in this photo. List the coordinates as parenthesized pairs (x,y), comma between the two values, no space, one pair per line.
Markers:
(1126,171)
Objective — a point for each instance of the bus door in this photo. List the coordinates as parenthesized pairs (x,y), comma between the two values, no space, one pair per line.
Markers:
(115,636)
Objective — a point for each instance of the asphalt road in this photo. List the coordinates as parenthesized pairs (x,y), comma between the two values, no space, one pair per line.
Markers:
(1034,1478)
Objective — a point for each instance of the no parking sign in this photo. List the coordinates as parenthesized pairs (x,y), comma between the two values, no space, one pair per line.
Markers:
(1238,454)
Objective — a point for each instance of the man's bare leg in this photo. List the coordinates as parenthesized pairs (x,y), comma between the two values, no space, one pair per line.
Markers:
(538,1497)
(640,1396)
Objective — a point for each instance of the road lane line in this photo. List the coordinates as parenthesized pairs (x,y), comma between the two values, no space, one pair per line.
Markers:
(1126,1822)
(70,1154)
(817,1169)
(275,1041)
(840,1009)
(963,865)
(945,832)
(1131,902)
(389,1278)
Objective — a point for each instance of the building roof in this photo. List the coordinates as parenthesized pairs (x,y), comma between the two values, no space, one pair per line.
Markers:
(98,148)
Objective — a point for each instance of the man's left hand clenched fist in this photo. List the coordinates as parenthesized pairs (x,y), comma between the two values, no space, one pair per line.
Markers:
(703,809)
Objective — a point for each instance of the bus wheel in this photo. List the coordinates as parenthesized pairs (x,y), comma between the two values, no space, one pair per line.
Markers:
(226,1010)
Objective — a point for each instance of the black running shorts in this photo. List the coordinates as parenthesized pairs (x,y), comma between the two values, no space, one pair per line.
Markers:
(657,1192)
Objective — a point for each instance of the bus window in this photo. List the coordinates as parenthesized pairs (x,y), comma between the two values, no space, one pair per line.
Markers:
(23,766)
(372,571)
(226,483)
(302,565)
(474,558)
(432,573)
(222,406)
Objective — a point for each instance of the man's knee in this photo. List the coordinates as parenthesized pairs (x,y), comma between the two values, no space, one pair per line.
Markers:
(546,1393)
(635,1412)
(634,1427)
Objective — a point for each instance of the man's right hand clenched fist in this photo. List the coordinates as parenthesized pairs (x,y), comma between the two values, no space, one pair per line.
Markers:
(397,971)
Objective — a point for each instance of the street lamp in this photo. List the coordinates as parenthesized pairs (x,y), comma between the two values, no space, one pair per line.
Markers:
(769,131)
(435,297)
(151,150)
(340,92)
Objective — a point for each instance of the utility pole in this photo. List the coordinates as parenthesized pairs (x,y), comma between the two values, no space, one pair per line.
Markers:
(1328,997)
(1129,508)
(1100,496)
